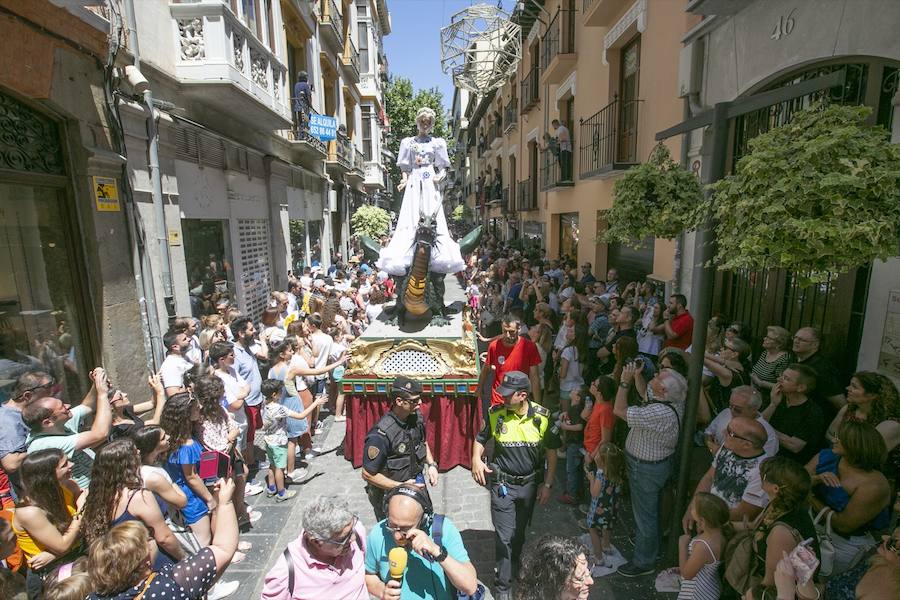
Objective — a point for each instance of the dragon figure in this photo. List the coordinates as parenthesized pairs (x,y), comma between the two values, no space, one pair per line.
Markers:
(421,290)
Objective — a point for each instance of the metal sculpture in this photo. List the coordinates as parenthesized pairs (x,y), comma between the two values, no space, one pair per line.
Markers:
(481,48)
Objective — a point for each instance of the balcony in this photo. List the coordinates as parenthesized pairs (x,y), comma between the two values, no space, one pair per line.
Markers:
(609,140)
(340,153)
(495,132)
(510,116)
(332,24)
(600,13)
(220,64)
(357,165)
(369,85)
(505,201)
(350,60)
(531,89)
(302,140)
(555,172)
(558,56)
(526,199)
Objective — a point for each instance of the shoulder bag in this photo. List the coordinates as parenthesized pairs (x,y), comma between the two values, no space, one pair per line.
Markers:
(826,543)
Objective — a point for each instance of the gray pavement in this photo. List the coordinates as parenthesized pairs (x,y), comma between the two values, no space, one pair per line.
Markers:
(456,495)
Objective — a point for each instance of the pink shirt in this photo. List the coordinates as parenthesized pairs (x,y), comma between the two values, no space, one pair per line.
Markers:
(314,580)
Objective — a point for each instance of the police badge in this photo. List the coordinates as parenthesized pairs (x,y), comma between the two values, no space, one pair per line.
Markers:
(401,448)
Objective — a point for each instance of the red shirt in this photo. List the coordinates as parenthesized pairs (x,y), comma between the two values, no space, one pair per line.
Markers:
(683,326)
(601,418)
(520,357)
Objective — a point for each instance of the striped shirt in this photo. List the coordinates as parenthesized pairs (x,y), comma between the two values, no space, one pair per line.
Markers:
(653,433)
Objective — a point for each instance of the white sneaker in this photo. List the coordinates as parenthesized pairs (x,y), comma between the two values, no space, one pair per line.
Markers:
(223,590)
(298,474)
(310,454)
(251,489)
(254,515)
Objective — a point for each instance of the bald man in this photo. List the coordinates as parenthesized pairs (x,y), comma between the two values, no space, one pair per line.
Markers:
(435,569)
(734,473)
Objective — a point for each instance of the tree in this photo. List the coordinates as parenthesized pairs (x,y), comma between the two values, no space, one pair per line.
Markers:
(371,221)
(658,198)
(401,105)
(462,213)
(818,195)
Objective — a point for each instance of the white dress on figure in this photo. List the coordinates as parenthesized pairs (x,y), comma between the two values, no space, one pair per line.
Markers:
(419,158)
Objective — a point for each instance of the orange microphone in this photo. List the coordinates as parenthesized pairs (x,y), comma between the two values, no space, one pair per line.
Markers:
(397,558)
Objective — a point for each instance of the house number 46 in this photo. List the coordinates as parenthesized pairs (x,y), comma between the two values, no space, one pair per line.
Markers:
(784,26)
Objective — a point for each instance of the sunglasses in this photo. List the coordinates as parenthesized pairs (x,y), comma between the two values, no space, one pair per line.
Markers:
(734,435)
(341,542)
(47,386)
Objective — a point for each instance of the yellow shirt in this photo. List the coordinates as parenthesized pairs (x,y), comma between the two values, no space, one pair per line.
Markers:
(23,538)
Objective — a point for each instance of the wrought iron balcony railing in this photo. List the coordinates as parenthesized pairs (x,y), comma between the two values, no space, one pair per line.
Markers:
(525,196)
(531,86)
(609,139)
(510,115)
(560,36)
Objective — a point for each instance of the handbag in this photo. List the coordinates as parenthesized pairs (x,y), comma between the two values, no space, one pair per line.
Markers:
(739,558)
(826,543)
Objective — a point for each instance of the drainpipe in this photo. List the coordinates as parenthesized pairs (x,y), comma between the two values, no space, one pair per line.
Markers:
(153,167)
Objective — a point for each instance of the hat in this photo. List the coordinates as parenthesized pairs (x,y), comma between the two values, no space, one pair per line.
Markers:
(406,388)
(353,260)
(514,381)
(600,300)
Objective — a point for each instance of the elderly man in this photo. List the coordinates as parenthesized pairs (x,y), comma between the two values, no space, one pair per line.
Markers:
(797,419)
(437,562)
(734,474)
(55,424)
(745,402)
(829,392)
(327,560)
(649,455)
(30,387)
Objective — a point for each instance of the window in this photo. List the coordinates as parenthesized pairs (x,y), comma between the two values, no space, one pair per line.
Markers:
(362,8)
(364,47)
(367,132)
(250,19)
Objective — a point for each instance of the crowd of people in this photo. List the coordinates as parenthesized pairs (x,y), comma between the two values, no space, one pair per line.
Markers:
(121,498)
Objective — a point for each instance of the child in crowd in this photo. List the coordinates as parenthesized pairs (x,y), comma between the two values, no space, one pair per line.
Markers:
(699,558)
(572,423)
(606,479)
(473,293)
(275,417)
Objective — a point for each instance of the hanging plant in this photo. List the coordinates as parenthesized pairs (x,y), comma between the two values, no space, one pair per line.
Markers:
(819,195)
(658,198)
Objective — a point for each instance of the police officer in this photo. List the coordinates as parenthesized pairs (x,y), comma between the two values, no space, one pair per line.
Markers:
(521,431)
(395,449)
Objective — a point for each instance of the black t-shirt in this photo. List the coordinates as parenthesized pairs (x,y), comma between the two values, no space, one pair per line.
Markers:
(574,412)
(804,421)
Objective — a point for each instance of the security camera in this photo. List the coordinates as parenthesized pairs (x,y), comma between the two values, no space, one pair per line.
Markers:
(136,79)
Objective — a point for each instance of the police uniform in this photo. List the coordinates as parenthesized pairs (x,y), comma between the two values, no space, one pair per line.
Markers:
(394,447)
(518,468)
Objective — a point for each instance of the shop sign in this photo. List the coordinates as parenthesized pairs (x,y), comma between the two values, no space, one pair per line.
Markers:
(106,194)
(322,127)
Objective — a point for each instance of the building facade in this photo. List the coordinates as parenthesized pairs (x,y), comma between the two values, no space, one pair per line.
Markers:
(128,221)
(607,70)
(743,48)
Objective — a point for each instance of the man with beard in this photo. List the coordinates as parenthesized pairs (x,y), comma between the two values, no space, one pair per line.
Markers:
(176,363)
(511,352)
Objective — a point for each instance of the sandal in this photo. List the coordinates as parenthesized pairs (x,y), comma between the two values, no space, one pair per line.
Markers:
(245,546)
(238,557)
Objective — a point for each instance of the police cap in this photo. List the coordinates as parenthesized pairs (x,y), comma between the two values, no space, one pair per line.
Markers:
(405,388)
(514,381)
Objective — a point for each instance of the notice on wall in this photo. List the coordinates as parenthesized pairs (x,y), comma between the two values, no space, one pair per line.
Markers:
(889,358)
(106,194)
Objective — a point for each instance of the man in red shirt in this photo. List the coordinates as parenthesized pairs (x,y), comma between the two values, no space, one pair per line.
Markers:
(511,352)
(678,326)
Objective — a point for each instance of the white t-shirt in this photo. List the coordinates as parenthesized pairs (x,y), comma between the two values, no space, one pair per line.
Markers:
(233,383)
(173,369)
(148,471)
(321,343)
(195,354)
(298,361)
(373,310)
(573,377)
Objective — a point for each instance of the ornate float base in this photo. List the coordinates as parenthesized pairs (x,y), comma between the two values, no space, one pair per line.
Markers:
(444,359)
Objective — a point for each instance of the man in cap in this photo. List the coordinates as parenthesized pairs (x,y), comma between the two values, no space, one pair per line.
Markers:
(522,433)
(395,450)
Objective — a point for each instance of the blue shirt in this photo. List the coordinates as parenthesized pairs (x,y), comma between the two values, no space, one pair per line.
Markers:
(247,367)
(424,579)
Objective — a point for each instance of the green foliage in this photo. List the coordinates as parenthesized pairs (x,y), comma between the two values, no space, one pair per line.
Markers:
(297,228)
(463,212)
(371,221)
(819,195)
(401,105)
(658,198)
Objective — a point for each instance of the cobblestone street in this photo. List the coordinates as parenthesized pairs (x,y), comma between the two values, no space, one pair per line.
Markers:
(456,495)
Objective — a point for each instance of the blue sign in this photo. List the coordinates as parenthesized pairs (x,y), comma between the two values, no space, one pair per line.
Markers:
(322,127)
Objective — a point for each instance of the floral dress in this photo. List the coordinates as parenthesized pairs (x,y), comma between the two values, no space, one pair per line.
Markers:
(602,513)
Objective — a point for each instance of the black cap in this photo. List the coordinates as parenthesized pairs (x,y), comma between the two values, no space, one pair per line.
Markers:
(406,388)
(514,381)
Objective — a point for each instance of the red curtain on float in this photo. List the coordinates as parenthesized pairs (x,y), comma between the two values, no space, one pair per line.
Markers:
(450,426)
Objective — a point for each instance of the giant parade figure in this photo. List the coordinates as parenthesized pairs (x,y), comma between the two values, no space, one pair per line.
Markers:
(421,250)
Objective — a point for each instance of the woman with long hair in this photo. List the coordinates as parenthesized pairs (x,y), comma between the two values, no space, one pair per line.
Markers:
(873,399)
(214,330)
(180,415)
(121,567)
(554,568)
(783,524)
(47,521)
(572,361)
(117,495)
(218,430)
(152,443)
